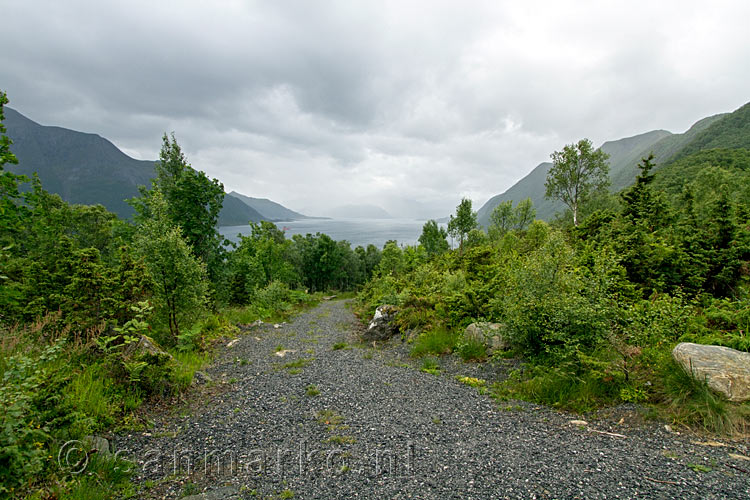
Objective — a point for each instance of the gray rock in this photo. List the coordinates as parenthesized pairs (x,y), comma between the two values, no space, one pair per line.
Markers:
(725,370)
(489,334)
(98,443)
(381,326)
(200,377)
(146,345)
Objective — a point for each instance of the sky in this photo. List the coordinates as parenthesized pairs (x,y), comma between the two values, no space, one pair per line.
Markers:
(408,105)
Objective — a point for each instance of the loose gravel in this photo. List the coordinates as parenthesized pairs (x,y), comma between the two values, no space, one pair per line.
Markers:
(333,418)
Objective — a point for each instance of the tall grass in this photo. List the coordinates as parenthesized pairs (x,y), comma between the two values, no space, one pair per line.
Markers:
(559,388)
(438,341)
(186,364)
(689,402)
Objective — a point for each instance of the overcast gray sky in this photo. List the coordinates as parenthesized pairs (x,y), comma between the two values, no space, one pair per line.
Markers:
(409,105)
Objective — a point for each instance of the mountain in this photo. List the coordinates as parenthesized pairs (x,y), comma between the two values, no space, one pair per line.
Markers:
(623,172)
(88,169)
(625,154)
(236,213)
(359,212)
(731,132)
(269,209)
(81,168)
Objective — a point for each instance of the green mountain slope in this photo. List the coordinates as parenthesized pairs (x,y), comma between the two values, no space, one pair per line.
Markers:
(625,154)
(731,132)
(623,172)
(88,169)
(267,208)
(81,168)
(730,166)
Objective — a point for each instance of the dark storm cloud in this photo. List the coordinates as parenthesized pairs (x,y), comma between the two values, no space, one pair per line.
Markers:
(409,105)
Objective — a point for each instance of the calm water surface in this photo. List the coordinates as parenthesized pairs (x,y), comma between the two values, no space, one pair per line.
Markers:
(355,231)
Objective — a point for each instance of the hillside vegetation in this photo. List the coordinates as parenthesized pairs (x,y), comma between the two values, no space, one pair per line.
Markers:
(595,310)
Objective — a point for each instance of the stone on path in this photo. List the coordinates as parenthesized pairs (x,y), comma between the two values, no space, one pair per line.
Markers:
(381,326)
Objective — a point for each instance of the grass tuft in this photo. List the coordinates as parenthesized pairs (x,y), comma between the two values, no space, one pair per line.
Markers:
(436,341)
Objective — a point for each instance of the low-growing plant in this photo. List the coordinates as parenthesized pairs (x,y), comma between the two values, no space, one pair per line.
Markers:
(430,365)
(436,341)
(555,386)
(471,349)
(471,381)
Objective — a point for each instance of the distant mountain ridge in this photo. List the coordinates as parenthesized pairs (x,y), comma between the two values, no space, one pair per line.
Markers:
(726,130)
(268,208)
(88,169)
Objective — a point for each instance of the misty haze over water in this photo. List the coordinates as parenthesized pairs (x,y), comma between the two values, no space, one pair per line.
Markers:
(355,231)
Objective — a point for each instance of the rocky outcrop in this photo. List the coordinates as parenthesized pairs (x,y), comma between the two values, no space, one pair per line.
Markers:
(725,370)
(381,326)
(146,346)
(489,334)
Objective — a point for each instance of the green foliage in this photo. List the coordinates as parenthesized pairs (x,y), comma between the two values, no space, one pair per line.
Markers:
(724,322)
(438,340)
(430,365)
(502,219)
(433,239)
(392,260)
(577,171)
(691,403)
(505,218)
(179,278)
(192,202)
(561,388)
(463,222)
(22,437)
(471,349)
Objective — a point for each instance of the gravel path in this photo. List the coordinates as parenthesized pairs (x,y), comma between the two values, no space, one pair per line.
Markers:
(333,420)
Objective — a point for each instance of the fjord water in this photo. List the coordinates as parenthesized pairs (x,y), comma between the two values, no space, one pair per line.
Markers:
(355,231)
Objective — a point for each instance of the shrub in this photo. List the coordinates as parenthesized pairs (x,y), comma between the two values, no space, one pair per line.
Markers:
(22,439)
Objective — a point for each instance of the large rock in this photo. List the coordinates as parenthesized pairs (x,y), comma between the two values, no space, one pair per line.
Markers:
(381,326)
(146,346)
(98,443)
(489,334)
(725,370)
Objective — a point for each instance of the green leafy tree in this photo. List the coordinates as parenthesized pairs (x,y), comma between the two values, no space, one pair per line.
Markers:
(577,171)
(179,277)
(392,261)
(193,203)
(525,213)
(10,208)
(433,239)
(464,221)
(502,219)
